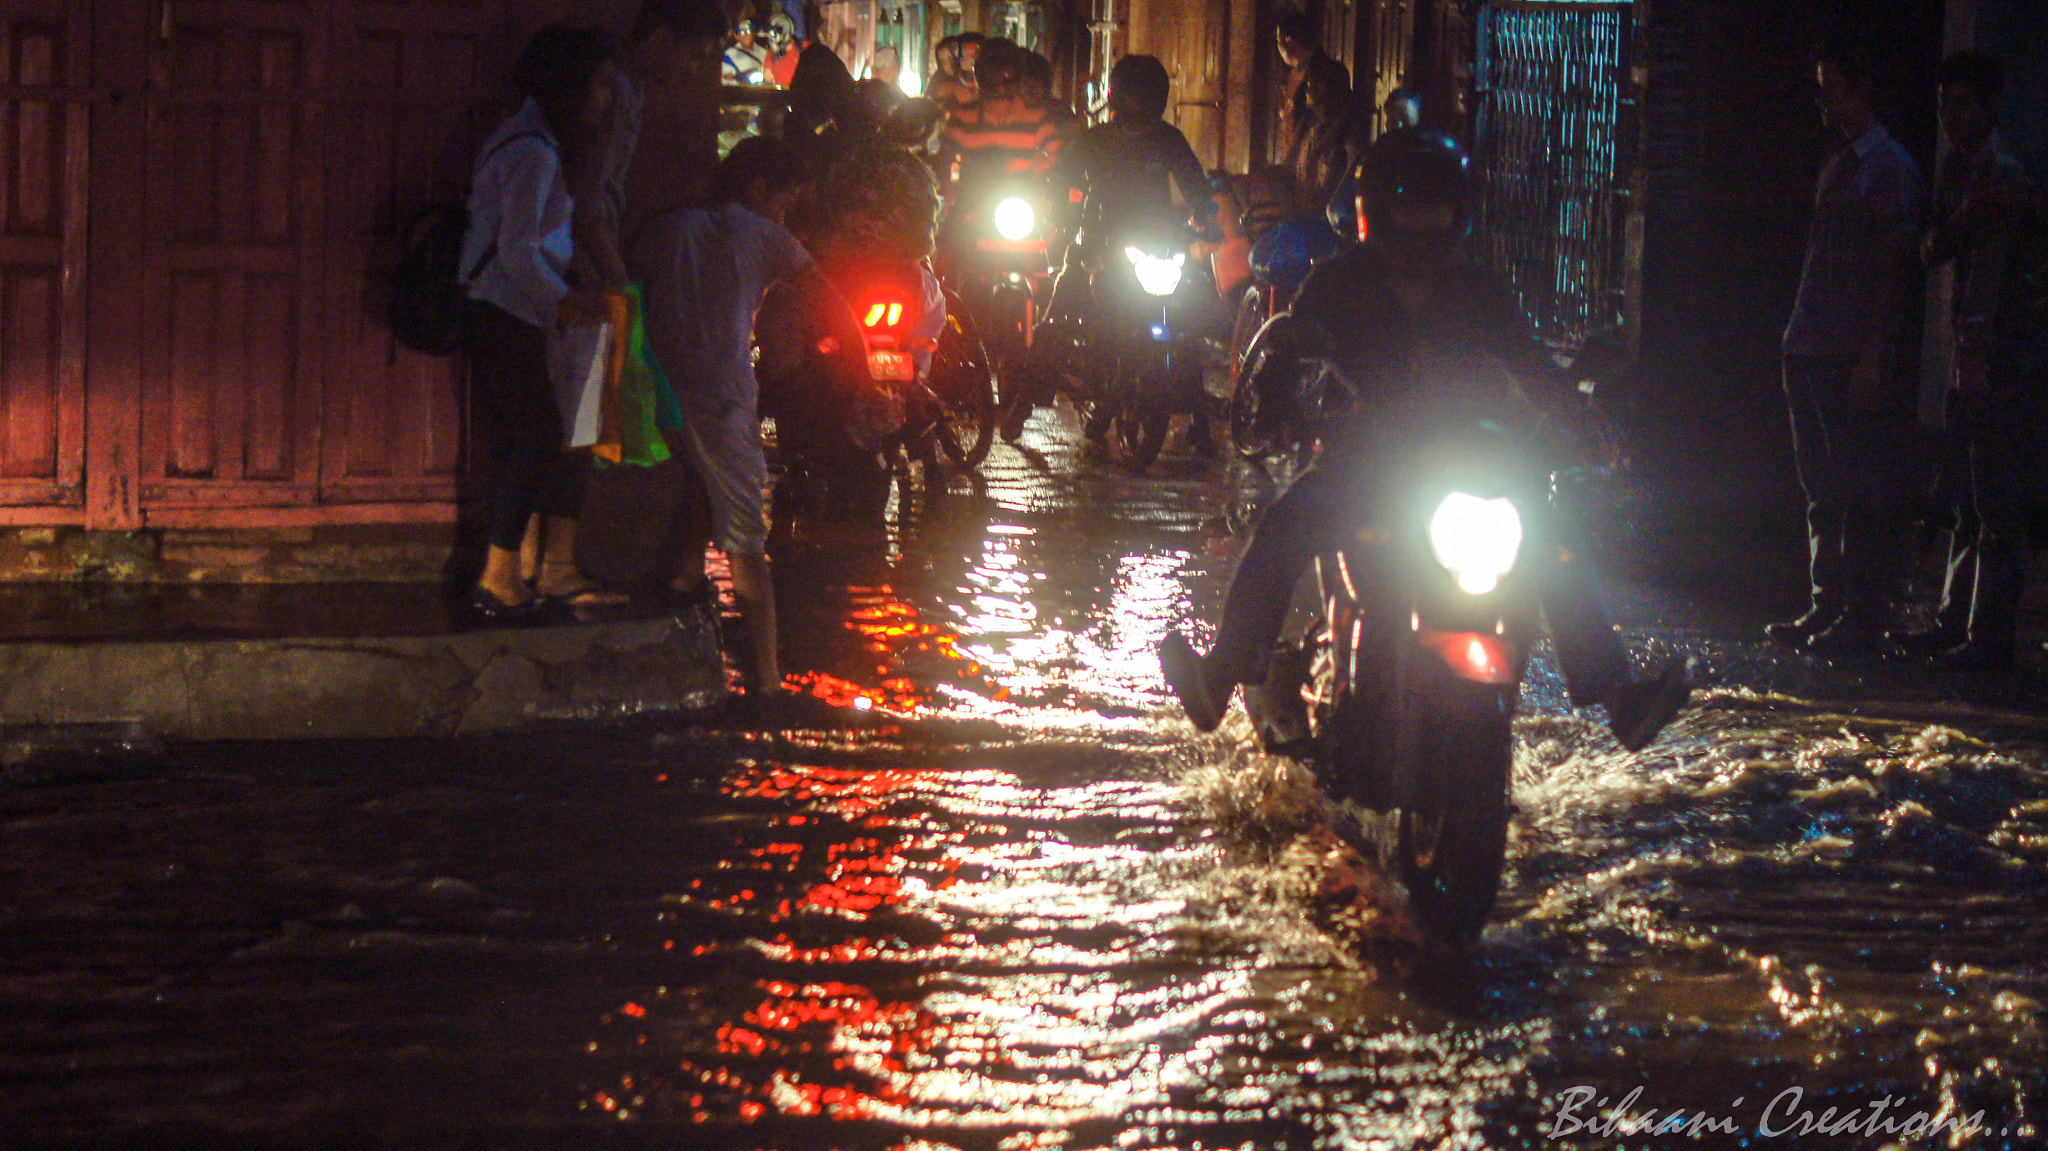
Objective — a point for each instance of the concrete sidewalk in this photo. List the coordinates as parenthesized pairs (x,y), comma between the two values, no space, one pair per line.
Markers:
(321,660)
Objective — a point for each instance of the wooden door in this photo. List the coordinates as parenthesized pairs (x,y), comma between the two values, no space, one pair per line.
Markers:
(1191,41)
(418,86)
(45,101)
(232,218)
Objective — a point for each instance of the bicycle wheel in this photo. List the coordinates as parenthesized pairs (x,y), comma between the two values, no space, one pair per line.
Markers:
(963,380)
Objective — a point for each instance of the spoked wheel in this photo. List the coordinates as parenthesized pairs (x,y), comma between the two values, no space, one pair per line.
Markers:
(963,381)
(1453,829)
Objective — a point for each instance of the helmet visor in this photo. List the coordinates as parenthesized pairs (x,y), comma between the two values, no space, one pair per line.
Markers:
(1424,216)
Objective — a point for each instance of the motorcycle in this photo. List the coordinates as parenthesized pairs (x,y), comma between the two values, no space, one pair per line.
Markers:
(1401,691)
(1134,343)
(995,264)
(839,411)
(928,389)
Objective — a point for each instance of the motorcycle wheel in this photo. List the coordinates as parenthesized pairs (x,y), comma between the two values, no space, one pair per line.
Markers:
(1453,829)
(962,379)
(1139,419)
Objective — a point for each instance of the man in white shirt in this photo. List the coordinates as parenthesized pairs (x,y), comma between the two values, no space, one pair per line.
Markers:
(704,273)
(746,62)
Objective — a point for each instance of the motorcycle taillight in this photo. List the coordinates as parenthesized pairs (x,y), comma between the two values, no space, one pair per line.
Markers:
(883,314)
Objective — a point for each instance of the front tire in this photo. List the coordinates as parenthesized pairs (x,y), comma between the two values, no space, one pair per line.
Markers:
(1137,414)
(1453,824)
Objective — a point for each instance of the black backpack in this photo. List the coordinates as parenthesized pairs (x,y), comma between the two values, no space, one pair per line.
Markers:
(429,286)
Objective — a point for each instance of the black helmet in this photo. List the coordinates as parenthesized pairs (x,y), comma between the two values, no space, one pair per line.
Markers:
(999,66)
(1139,86)
(1415,192)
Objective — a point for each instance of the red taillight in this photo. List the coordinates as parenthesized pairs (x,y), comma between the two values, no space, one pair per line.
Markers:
(1363,230)
(883,314)
(1475,656)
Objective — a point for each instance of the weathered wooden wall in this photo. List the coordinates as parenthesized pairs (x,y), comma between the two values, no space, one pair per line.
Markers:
(198,201)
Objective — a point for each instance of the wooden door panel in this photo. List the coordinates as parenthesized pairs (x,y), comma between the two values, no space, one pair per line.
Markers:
(233,206)
(422,85)
(1191,40)
(44,103)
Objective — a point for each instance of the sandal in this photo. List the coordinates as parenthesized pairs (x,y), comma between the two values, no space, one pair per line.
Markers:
(579,590)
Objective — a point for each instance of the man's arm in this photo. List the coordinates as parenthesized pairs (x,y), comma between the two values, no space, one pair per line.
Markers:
(1192,180)
(1997,204)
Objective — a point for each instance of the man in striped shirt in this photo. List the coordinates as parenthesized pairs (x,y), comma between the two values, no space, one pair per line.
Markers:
(1001,134)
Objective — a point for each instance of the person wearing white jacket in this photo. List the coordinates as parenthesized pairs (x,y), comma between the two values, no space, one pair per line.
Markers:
(515,261)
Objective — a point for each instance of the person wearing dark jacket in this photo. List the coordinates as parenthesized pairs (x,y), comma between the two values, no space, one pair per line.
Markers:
(1310,70)
(1987,303)
(1134,167)
(1404,298)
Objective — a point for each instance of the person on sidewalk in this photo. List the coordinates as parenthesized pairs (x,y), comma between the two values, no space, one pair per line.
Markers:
(1985,254)
(516,258)
(704,272)
(1843,346)
(668,39)
(1405,296)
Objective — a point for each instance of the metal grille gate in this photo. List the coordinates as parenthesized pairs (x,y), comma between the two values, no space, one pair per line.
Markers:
(1553,79)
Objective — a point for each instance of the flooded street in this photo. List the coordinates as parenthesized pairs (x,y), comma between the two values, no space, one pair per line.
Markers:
(1008,899)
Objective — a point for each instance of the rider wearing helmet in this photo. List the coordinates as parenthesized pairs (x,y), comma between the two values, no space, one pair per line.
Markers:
(746,61)
(783,49)
(1000,133)
(1134,167)
(1135,164)
(1408,296)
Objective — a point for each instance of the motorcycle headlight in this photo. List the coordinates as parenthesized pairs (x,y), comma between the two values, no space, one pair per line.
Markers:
(1476,540)
(1157,275)
(1014,218)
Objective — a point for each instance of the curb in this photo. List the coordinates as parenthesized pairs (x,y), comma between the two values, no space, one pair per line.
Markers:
(306,688)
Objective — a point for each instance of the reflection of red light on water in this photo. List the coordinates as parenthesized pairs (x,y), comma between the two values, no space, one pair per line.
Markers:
(892,629)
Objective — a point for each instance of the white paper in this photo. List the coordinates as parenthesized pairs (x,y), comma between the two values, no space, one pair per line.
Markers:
(576,362)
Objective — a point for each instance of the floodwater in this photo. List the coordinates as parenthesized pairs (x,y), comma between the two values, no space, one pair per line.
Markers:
(1008,899)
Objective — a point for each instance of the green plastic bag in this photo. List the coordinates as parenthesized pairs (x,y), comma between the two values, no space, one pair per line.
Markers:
(647,405)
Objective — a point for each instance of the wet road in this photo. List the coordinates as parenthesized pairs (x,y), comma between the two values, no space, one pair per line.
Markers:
(1012,901)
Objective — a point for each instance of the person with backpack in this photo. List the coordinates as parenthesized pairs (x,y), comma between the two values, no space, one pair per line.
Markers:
(516,257)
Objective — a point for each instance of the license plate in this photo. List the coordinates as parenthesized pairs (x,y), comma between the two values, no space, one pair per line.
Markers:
(898,366)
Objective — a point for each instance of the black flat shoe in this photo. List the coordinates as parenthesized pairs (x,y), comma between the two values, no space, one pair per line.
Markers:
(1927,643)
(489,608)
(1184,673)
(1978,656)
(1846,638)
